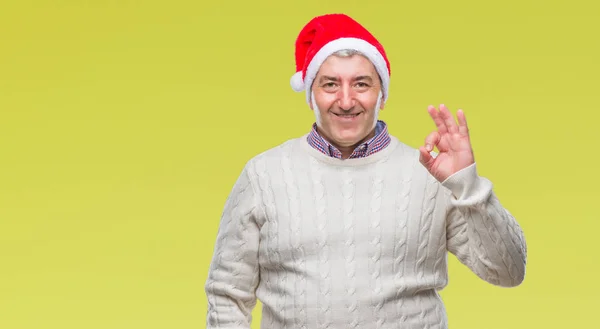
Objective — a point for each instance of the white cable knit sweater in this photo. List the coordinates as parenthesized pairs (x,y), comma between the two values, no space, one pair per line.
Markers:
(358,243)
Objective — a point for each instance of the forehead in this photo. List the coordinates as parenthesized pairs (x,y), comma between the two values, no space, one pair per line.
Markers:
(347,66)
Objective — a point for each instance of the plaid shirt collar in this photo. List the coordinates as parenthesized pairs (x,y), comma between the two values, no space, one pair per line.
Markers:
(373,145)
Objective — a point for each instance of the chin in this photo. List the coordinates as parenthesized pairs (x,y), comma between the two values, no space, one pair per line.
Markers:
(351,136)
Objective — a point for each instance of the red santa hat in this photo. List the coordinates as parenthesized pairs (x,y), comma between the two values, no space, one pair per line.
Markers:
(326,34)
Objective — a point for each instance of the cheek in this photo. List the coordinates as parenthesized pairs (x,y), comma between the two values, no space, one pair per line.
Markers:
(324,102)
(369,103)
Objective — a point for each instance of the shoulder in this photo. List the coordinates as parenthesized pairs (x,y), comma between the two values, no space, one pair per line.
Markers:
(407,158)
(278,151)
(403,152)
(272,157)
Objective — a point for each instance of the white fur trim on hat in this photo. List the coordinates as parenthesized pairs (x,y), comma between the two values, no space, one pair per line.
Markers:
(296,81)
(360,45)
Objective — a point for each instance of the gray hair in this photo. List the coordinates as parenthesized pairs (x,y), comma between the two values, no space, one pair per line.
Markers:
(347,53)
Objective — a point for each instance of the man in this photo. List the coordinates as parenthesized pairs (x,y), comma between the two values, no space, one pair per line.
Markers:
(347,227)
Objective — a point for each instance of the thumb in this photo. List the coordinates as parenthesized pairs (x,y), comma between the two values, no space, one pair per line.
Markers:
(426,158)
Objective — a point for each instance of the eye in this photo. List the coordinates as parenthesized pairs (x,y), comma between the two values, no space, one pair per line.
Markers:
(329,87)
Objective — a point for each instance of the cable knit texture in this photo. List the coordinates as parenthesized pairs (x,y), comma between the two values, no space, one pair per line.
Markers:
(357,243)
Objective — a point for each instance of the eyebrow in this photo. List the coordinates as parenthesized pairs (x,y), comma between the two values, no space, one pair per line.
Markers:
(327,78)
(364,77)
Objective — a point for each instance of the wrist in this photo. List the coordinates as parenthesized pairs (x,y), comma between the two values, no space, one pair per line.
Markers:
(464,182)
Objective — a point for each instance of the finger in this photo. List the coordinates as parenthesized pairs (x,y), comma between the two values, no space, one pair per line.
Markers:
(426,158)
(433,139)
(435,115)
(448,119)
(463,128)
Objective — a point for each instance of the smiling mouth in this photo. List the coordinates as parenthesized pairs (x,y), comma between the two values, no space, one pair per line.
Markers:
(341,115)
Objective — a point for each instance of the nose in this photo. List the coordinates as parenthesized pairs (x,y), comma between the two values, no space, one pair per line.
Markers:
(346,99)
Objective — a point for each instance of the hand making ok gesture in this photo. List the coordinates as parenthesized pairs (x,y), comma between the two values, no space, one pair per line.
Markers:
(452,141)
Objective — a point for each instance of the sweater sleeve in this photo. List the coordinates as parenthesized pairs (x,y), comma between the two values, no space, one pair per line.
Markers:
(481,233)
(233,273)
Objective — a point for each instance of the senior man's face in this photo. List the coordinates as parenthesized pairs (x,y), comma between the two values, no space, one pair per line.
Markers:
(346,99)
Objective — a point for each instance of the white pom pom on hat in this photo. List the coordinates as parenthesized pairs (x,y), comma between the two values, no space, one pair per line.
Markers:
(326,34)
(296,82)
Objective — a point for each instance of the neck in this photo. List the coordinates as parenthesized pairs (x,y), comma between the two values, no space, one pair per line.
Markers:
(347,150)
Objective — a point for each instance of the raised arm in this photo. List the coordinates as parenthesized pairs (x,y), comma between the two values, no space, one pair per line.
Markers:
(480,231)
(233,275)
